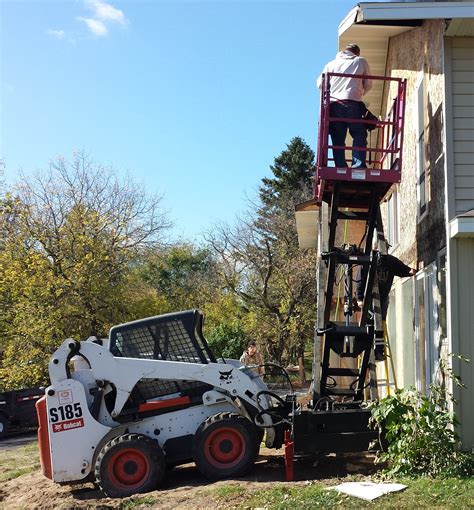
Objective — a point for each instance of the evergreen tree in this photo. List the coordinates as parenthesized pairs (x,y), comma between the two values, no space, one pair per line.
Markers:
(293,171)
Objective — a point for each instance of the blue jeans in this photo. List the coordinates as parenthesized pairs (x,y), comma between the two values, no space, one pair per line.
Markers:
(338,131)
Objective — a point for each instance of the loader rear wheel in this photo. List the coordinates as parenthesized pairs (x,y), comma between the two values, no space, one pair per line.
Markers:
(3,425)
(129,464)
(225,445)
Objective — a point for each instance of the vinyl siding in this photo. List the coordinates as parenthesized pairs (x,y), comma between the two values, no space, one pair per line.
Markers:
(464,269)
(462,100)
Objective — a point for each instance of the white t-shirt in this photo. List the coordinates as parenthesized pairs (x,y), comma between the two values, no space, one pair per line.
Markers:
(347,62)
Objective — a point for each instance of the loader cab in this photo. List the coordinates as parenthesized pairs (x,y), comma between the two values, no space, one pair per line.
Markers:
(169,337)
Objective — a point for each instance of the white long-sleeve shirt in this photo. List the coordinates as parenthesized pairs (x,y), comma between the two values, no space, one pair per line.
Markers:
(347,62)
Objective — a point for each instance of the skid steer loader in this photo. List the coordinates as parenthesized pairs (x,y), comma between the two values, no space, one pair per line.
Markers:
(120,411)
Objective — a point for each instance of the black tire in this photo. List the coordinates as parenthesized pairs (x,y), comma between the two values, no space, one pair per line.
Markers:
(3,425)
(225,445)
(129,464)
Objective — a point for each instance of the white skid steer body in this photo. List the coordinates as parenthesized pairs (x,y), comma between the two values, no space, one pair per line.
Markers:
(119,413)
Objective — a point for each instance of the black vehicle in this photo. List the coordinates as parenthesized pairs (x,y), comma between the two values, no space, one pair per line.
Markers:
(17,409)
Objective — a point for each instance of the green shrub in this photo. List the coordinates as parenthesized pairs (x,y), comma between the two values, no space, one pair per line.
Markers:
(421,437)
(228,340)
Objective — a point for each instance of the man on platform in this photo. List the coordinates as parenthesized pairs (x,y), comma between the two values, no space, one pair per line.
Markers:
(346,102)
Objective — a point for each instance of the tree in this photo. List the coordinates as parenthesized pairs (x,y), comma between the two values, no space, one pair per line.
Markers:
(184,277)
(261,263)
(70,236)
(182,273)
(293,174)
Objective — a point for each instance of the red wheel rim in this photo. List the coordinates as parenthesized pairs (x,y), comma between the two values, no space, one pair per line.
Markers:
(128,468)
(225,447)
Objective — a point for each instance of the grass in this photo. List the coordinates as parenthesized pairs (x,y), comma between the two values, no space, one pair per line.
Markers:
(139,501)
(421,493)
(18,461)
(227,491)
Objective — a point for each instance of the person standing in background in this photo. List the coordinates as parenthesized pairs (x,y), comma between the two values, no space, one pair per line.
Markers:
(251,356)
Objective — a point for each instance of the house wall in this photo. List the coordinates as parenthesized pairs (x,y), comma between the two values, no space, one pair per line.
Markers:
(459,62)
(462,285)
(460,139)
(411,53)
(414,55)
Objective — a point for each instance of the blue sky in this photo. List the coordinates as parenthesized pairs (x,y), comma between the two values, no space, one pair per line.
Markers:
(192,98)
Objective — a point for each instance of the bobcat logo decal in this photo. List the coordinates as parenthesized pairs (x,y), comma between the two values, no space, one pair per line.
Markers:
(226,376)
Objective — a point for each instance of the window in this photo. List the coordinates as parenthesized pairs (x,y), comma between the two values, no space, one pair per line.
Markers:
(427,323)
(420,332)
(441,295)
(420,147)
(393,216)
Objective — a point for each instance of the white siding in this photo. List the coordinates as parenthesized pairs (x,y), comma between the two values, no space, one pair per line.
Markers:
(462,87)
(464,274)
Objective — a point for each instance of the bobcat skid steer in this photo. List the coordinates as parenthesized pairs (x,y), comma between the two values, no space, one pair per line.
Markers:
(120,411)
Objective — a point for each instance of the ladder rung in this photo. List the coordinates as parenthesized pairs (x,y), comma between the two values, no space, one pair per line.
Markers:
(352,215)
(341,392)
(339,329)
(343,371)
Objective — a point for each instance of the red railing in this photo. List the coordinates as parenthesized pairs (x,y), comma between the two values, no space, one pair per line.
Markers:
(384,154)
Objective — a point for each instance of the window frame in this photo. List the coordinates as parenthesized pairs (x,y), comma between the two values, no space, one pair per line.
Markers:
(421,182)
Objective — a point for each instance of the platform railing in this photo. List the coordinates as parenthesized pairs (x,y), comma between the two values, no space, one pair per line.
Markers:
(384,151)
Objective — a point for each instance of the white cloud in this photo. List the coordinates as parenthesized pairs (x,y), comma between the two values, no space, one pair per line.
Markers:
(105,12)
(58,34)
(96,26)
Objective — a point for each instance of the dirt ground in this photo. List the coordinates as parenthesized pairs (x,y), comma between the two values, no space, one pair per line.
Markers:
(184,486)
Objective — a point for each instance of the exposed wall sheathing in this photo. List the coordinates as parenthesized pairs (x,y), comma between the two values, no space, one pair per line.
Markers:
(411,53)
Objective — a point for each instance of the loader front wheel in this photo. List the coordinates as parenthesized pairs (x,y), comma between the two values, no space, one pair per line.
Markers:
(225,445)
(129,464)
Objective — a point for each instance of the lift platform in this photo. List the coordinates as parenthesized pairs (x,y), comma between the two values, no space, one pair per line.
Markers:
(337,418)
